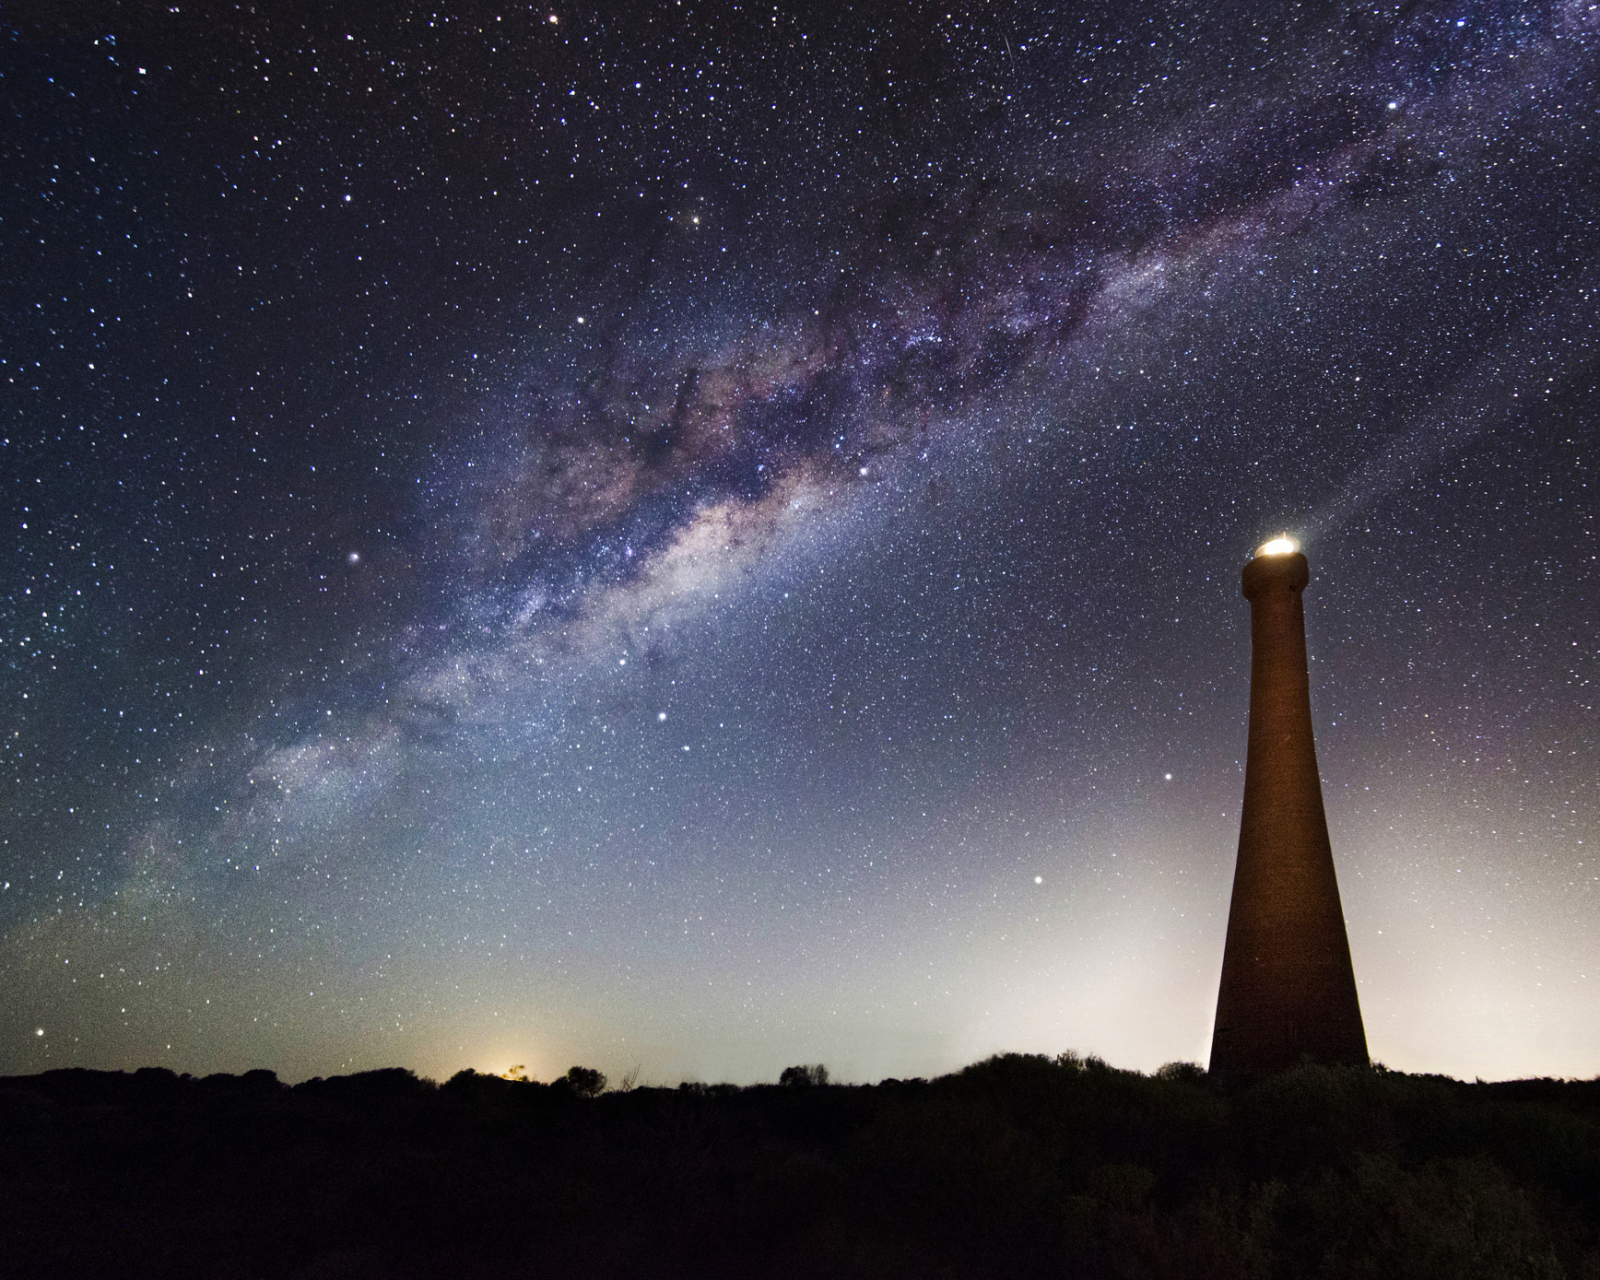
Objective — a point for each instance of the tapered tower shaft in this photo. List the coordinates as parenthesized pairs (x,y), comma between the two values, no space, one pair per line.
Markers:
(1288,989)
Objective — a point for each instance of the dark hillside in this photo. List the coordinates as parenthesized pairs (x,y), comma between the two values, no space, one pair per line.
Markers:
(1015,1166)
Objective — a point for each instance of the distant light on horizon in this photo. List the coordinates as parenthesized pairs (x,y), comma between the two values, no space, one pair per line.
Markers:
(1282,545)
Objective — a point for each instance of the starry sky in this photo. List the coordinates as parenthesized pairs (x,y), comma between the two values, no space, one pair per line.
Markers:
(698,537)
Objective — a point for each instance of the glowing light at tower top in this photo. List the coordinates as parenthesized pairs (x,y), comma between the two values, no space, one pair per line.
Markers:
(1282,545)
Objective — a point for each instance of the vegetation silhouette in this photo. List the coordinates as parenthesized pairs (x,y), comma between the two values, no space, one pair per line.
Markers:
(815,1074)
(1016,1165)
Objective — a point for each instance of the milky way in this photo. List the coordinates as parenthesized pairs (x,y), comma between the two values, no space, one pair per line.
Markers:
(707,538)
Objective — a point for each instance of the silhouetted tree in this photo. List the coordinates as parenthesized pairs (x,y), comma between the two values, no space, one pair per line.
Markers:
(815,1074)
(586,1082)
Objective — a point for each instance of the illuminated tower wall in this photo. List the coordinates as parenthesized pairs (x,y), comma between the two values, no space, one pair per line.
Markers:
(1288,990)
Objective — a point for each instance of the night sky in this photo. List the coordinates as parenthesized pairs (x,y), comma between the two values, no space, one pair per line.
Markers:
(708,537)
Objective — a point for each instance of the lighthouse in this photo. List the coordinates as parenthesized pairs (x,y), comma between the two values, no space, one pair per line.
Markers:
(1288,992)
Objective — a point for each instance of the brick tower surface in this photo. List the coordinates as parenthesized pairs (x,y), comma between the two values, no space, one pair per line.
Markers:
(1288,990)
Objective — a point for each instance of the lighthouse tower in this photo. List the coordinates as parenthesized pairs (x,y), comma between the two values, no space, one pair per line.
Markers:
(1288,991)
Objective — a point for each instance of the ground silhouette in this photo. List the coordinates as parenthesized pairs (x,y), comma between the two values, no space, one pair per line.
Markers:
(1019,1165)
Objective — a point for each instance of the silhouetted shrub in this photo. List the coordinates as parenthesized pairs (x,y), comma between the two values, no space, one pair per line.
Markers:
(1446,1219)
